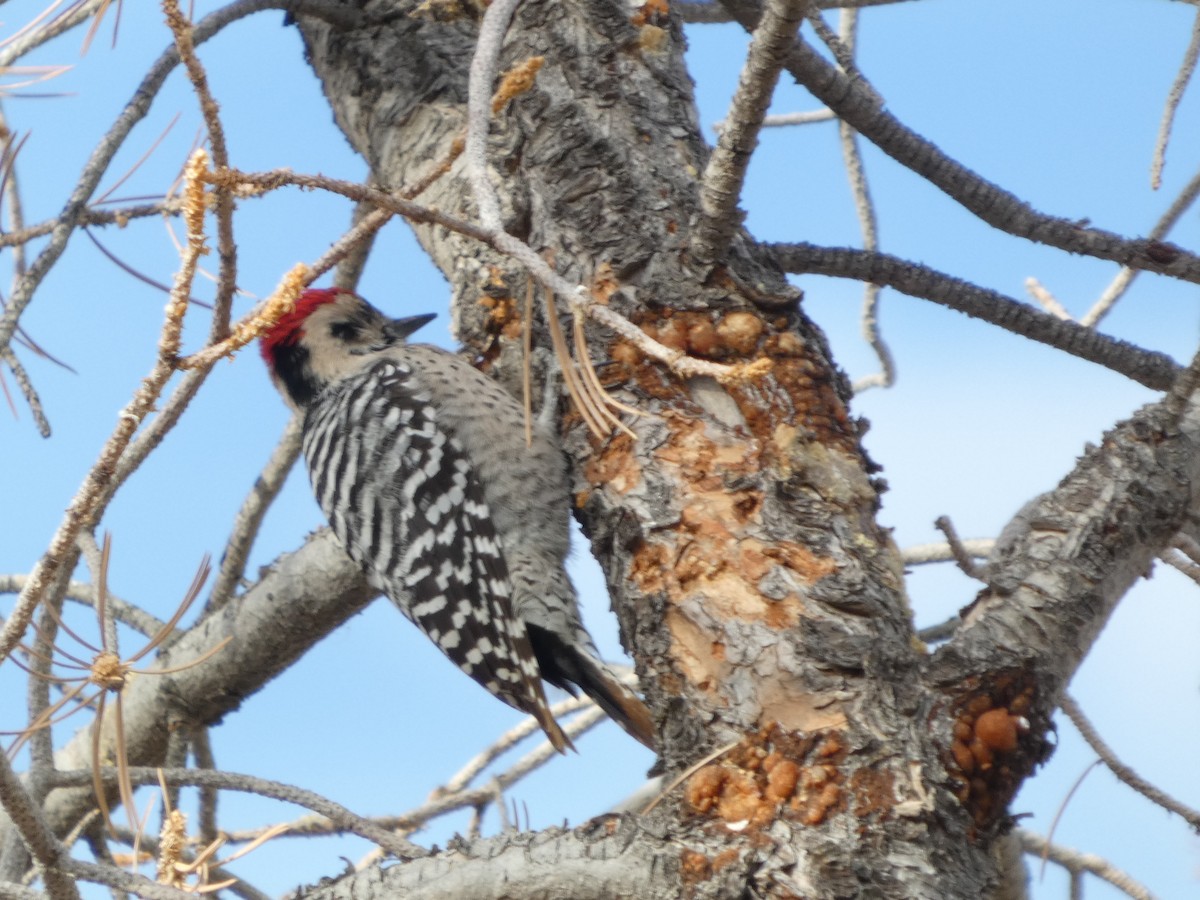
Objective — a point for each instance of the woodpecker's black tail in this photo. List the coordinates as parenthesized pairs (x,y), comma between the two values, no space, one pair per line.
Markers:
(566,667)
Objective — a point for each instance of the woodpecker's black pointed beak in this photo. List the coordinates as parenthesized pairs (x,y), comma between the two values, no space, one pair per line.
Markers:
(399,329)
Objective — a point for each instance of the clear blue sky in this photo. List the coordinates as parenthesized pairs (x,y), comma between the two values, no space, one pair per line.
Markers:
(1058,101)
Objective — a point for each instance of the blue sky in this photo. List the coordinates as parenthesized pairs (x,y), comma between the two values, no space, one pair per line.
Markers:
(1058,101)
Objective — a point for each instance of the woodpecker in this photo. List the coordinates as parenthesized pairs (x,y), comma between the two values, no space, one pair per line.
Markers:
(419,462)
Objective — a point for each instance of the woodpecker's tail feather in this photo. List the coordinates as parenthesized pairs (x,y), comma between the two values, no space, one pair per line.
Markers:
(557,737)
(565,666)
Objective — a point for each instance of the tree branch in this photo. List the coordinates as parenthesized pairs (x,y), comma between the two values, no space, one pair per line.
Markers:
(318,584)
(1152,369)
(857,103)
(263,787)
(1058,571)
(1075,862)
(721,184)
(607,857)
(1122,771)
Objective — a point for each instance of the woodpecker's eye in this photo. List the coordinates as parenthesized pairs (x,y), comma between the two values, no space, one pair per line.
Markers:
(344,331)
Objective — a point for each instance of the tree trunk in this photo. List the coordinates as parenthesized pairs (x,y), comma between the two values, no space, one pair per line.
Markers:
(762,603)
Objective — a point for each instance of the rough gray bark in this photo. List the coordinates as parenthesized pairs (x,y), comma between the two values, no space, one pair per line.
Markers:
(756,593)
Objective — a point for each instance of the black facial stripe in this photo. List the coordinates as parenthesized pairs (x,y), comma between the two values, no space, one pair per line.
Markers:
(291,366)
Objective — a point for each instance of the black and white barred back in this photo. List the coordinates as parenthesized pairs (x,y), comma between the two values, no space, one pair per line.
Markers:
(419,462)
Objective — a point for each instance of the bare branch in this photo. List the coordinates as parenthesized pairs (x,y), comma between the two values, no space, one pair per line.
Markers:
(865,208)
(857,103)
(1120,284)
(1187,68)
(1076,862)
(962,556)
(1055,577)
(713,12)
(781,120)
(1186,567)
(530,762)
(920,554)
(1154,370)
(93,216)
(414,212)
(27,390)
(80,592)
(319,584)
(121,880)
(721,184)
(529,725)
(27,818)
(350,269)
(249,784)
(254,508)
(1046,300)
(226,247)
(1122,771)
(30,38)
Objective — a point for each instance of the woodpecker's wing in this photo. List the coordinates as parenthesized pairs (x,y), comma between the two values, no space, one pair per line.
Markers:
(405,501)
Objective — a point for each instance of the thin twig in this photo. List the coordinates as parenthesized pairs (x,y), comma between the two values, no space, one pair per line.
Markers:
(482,796)
(1062,807)
(250,516)
(1077,862)
(942,631)
(12,194)
(350,269)
(1179,397)
(811,117)
(183,32)
(1046,300)
(1176,560)
(119,879)
(505,742)
(843,46)
(93,216)
(55,566)
(414,212)
(247,330)
(133,271)
(919,554)
(713,12)
(209,795)
(275,790)
(1187,68)
(1122,771)
(30,37)
(80,592)
(1125,277)
(134,111)
(962,556)
(27,390)
(687,773)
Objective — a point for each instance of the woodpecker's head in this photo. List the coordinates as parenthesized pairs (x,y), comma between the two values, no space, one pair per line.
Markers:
(326,337)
